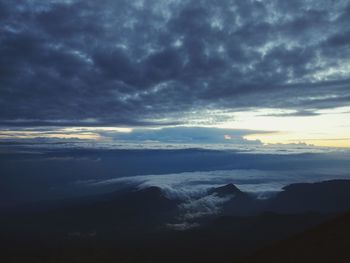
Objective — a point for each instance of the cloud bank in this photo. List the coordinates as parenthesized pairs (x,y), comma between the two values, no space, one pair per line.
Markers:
(191,188)
(195,185)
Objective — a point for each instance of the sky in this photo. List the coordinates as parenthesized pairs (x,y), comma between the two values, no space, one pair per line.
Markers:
(176,71)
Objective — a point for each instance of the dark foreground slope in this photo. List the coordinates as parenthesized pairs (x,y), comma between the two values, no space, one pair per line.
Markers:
(329,242)
(133,226)
(223,240)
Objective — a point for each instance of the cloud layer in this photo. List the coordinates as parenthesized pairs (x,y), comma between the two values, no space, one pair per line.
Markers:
(189,185)
(75,62)
(192,187)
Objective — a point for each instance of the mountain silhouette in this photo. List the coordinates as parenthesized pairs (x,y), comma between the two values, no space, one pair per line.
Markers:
(328,242)
(326,197)
(132,225)
(226,190)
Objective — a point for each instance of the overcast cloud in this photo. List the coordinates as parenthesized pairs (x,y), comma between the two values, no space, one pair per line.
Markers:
(75,62)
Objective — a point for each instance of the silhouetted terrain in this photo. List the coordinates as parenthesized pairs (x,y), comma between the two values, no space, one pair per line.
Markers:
(142,225)
(328,242)
(324,197)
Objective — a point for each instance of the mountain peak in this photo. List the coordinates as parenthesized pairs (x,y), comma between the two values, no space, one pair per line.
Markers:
(229,189)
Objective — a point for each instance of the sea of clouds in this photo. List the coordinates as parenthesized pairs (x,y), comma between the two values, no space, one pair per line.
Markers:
(192,187)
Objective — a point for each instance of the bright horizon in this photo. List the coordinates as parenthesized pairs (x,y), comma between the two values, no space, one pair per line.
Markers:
(327,128)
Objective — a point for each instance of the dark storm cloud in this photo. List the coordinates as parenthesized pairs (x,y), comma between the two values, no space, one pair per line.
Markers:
(137,62)
(302,113)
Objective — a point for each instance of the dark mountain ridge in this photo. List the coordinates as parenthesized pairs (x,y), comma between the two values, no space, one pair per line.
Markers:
(328,242)
(131,225)
(322,197)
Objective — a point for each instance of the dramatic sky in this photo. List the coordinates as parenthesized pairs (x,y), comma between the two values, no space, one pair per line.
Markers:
(181,70)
